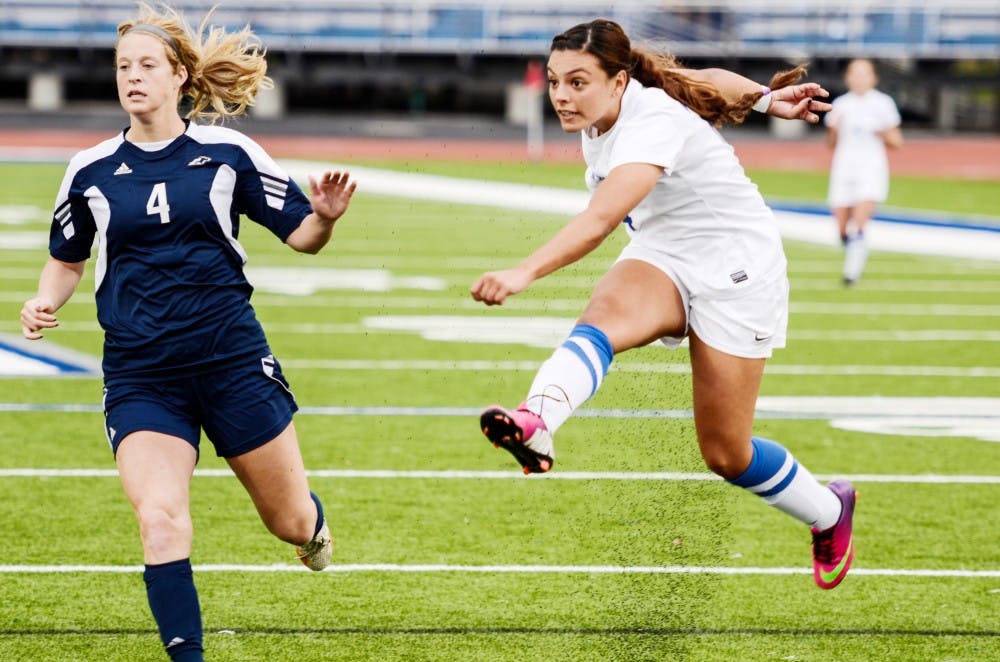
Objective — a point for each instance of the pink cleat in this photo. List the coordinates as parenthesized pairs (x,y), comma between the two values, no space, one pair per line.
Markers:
(833,549)
(522,433)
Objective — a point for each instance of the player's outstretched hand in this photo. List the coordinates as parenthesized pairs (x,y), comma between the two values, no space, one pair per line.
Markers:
(493,287)
(37,314)
(796,102)
(331,194)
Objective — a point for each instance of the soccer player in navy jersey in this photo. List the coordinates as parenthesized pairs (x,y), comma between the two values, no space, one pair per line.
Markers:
(183,349)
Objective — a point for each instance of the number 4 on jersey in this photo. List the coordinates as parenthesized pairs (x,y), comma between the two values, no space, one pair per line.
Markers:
(157,203)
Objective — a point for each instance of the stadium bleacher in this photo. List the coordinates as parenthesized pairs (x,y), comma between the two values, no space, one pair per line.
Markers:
(463,55)
(918,28)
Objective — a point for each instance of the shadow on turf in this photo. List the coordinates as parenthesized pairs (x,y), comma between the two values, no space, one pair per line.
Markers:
(660,632)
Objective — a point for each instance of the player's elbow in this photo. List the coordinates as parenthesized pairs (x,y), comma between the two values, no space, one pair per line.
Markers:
(594,234)
(310,248)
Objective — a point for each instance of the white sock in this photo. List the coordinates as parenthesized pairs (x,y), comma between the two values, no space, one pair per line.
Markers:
(777,477)
(570,376)
(855,256)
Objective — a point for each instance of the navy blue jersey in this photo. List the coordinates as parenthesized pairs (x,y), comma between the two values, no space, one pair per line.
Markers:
(171,295)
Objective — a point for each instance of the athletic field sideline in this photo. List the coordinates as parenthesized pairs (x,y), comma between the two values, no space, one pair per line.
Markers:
(628,550)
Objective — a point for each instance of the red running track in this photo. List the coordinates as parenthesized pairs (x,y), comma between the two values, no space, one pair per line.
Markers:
(962,158)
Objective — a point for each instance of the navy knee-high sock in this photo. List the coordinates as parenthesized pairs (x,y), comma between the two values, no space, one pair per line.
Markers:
(174,603)
(319,513)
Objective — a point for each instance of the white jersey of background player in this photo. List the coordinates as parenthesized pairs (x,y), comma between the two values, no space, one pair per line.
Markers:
(861,125)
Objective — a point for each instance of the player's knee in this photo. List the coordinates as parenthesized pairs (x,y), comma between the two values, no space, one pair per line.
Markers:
(602,312)
(723,462)
(164,530)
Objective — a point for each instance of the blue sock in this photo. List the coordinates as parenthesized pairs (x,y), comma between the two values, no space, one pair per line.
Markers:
(767,474)
(778,478)
(571,376)
(319,513)
(601,345)
(174,603)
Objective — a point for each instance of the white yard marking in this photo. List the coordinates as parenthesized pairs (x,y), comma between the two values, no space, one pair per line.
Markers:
(26,358)
(508,569)
(549,331)
(24,241)
(814,228)
(576,306)
(430,365)
(373,275)
(24,366)
(930,417)
(22,215)
(308,328)
(469,474)
(299,281)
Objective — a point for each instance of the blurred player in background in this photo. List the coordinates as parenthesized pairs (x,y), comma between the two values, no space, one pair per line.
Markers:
(705,261)
(183,349)
(862,123)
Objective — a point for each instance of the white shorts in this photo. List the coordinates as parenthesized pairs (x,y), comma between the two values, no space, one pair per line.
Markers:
(849,187)
(750,324)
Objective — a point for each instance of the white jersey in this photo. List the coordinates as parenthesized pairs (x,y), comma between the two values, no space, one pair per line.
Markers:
(703,214)
(860,168)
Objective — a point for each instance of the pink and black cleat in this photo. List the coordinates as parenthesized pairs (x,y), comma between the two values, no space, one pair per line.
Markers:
(833,548)
(522,433)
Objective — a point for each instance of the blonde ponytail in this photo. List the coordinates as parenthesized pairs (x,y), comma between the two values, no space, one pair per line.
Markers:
(231,70)
(225,70)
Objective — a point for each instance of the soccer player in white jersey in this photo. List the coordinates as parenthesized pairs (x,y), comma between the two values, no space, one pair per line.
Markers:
(183,349)
(705,261)
(861,125)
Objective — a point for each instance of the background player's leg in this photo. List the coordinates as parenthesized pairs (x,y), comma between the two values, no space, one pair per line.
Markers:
(843,217)
(155,471)
(856,246)
(864,211)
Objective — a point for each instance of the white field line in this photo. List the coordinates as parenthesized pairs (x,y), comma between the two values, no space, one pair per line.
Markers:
(562,202)
(915,335)
(307,328)
(882,236)
(655,368)
(881,408)
(455,474)
(508,569)
(814,284)
(884,273)
(811,284)
(264,301)
(576,305)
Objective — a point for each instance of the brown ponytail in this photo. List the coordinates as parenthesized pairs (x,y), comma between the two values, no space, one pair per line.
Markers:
(658,70)
(778,81)
(606,41)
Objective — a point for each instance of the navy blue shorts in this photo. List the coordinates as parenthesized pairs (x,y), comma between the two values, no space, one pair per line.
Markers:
(240,407)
